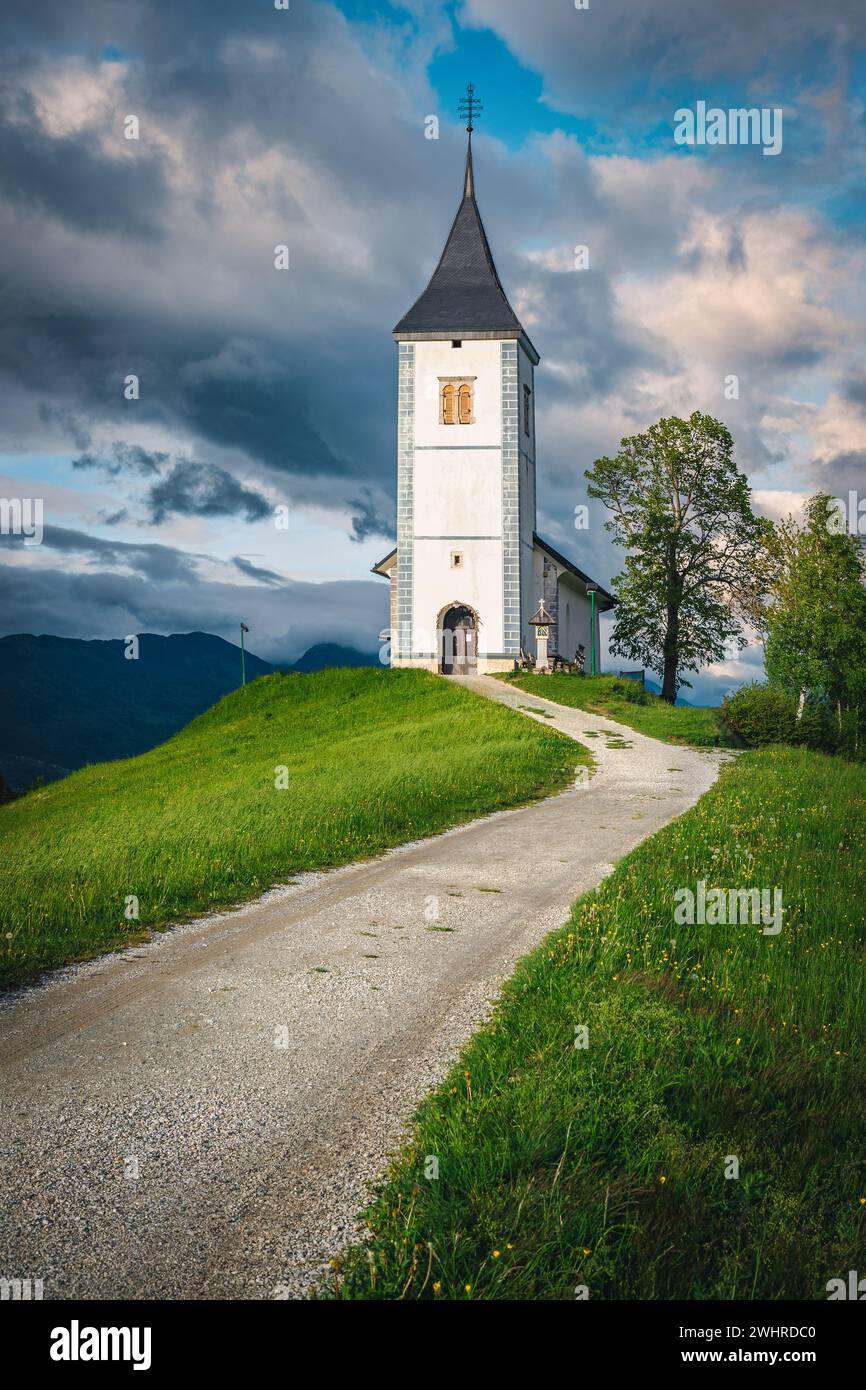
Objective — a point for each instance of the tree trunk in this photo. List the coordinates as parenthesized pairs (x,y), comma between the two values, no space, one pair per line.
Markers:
(669,677)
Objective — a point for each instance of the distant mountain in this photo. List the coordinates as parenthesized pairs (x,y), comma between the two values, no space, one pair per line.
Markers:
(325,654)
(657,690)
(65,702)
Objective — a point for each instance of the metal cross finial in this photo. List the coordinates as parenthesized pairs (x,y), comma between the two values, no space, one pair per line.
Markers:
(470,107)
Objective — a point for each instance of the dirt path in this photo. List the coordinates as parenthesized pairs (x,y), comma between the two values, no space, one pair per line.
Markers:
(199,1117)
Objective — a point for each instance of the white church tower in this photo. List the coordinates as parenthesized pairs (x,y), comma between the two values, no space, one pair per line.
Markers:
(469,570)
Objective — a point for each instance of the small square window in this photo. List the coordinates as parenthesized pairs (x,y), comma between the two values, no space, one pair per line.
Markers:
(456,342)
(457,559)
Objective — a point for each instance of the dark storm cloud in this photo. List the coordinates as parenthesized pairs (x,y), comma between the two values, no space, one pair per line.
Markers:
(188,488)
(368,518)
(157,562)
(284,622)
(262,127)
(658,43)
(70,424)
(67,176)
(841,474)
(123,458)
(201,489)
(312,403)
(228,393)
(262,576)
(267,418)
(584,329)
(854,390)
(222,85)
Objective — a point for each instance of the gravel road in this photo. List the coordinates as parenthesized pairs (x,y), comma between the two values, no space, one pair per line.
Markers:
(199,1117)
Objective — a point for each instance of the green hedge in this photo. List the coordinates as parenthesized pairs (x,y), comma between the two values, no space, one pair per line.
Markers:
(761,714)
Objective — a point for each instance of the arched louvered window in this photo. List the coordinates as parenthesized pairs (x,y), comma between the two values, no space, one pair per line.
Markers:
(449,403)
(464,411)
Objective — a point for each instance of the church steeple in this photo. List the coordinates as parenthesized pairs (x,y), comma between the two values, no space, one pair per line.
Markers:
(464,297)
(470,107)
(469,181)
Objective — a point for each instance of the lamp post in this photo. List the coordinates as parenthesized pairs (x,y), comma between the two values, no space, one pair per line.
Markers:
(244,629)
(592,590)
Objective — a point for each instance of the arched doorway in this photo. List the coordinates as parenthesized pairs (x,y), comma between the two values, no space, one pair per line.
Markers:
(458,636)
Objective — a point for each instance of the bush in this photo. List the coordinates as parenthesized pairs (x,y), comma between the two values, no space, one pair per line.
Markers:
(631,691)
(761,714)
(826,729)
(816,728)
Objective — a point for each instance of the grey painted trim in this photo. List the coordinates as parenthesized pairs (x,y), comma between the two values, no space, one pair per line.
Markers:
(491,448)
(473,335)
(510,502)
(405,497)
(458,538)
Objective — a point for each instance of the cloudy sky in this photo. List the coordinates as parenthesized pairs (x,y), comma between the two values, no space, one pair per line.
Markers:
(262,388)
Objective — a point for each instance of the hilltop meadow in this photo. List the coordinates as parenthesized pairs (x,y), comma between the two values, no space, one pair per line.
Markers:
(294,772)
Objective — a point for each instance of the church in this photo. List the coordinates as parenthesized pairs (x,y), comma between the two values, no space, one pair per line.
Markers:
(469,570)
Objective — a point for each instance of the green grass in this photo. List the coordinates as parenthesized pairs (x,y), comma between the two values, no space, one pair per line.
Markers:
(374,758)
(604,1166)
(696,725)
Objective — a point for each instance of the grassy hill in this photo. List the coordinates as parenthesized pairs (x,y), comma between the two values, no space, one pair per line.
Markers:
(66,702)
(627,703)
(608,1166)
(371,758)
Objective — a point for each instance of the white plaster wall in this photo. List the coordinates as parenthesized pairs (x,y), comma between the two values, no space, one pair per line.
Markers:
(458,493)
(575,627)
(478,358)
(478,584)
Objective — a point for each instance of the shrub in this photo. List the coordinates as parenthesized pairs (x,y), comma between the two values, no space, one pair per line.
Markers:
(828,729)
(816,728)
(761,714)
(630,691)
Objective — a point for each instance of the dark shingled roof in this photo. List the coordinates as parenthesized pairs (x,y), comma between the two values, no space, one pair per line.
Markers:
(464,294)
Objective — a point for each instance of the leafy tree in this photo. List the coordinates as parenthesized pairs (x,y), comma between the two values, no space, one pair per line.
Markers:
(815,617)
(697,559)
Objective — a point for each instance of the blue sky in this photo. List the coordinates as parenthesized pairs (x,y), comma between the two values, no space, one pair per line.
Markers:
(306,127)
